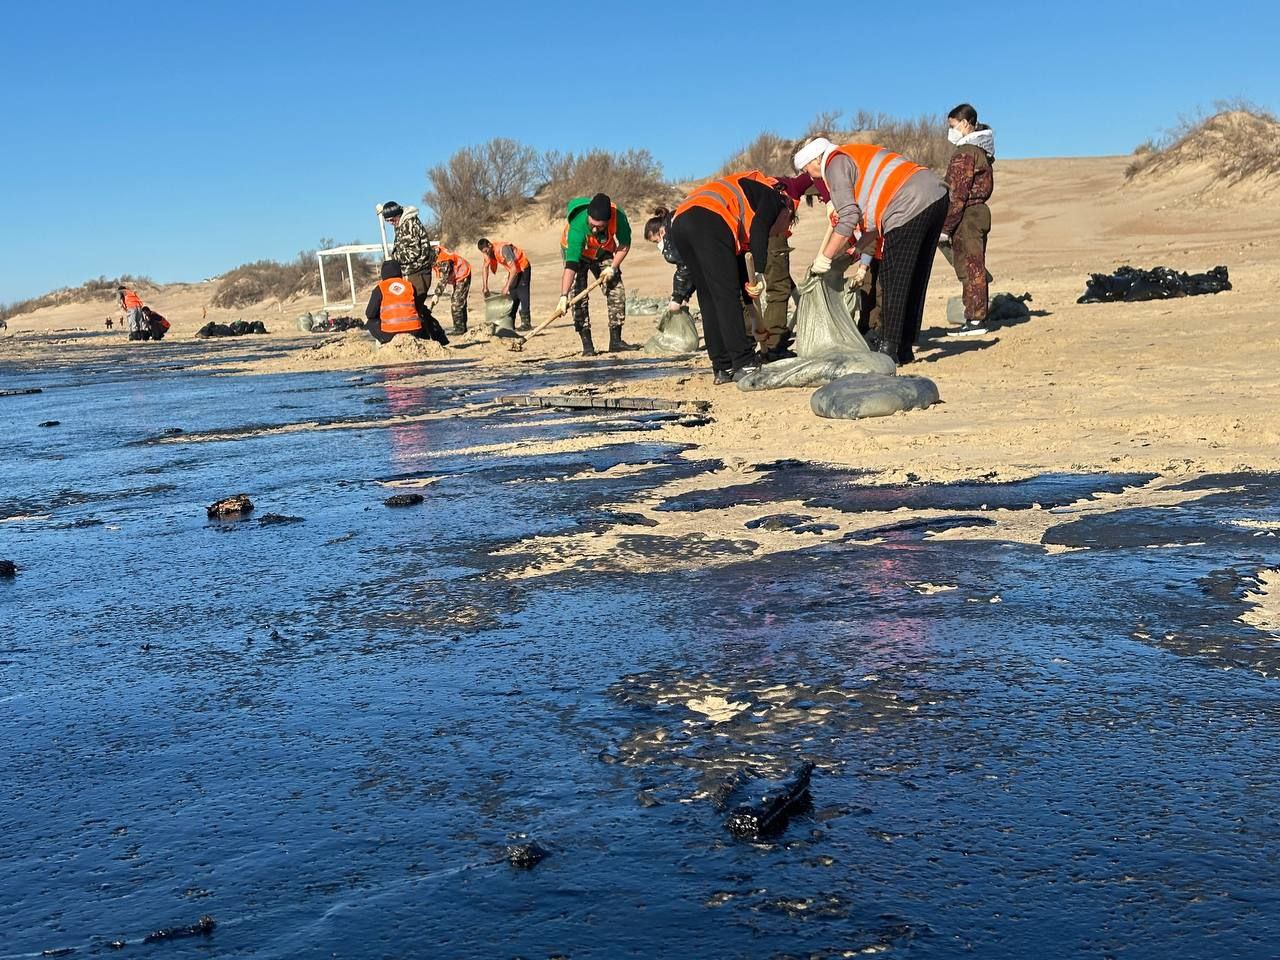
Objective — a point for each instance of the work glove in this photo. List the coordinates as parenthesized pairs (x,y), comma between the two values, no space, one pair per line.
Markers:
(675,306)
(860,274)
(607,274)
(944,240)
(563,306)
(755,289)
(821,264)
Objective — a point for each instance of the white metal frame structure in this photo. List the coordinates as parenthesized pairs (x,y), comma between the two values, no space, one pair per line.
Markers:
(349,250)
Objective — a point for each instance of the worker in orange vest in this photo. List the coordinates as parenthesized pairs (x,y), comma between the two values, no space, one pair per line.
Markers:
(712,229)
(883,194)
(452,269)
(519,277)
(395,307)
(132,305)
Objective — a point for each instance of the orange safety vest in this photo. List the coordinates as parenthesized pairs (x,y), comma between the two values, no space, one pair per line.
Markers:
(399,314)
(461,269)
(520,264)
(131,300)
(592,249)
(724,196)
(880,175)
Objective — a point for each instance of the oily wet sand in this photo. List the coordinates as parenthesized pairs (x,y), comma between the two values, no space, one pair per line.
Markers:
(1039,711)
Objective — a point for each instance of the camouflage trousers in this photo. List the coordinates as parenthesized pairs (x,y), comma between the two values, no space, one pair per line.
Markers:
(968,255)
(458,304)
(778,287)
(615,295)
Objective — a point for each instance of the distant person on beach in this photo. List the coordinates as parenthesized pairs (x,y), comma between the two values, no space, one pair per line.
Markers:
(884,194)
(412,248)
(131,304)
(519,276)
(970,180)
(110,323)
(453,270)
(395,307)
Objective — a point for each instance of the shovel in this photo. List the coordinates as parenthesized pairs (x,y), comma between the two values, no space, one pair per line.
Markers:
(757,321)
(518,343)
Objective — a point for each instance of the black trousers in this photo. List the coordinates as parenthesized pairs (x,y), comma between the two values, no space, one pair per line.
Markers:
(706,245)
(904,278)
(520,294)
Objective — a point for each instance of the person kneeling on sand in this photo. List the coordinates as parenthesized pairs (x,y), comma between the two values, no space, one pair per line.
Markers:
(396,307)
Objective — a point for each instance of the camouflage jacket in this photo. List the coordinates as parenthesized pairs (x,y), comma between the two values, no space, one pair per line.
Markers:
(413,245)
(970,181)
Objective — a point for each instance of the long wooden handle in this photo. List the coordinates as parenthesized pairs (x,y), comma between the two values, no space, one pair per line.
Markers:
(761,333)
(556,316)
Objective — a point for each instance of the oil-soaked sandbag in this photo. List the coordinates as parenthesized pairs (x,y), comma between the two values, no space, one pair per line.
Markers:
(864,395)
(825,324)
(304,322)
(1006,308)
(676,333)
(1159,283)
(817,371)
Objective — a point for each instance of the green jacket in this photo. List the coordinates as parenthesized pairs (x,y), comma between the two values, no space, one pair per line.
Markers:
(579,244)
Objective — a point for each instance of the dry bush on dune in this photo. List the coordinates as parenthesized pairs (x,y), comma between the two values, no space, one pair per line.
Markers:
(1239,142)
(102,288)
(923,139)
(275,280)
(478,186)
(630,178)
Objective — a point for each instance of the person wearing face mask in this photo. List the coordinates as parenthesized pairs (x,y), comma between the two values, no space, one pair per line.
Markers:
(657,230)
(596,239)
(885,195)
(970,180)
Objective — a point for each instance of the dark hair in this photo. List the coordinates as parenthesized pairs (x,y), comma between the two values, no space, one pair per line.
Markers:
(967,113)
(656,222)
(482,243)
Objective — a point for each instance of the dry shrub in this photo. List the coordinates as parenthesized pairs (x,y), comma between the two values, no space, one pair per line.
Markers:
(101,288)
(629,178)
(478,186)
(1240,141)
(275,280)
(768,153)
(923,139)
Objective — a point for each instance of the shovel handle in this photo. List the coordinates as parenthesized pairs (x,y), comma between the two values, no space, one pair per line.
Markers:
(521,341)
(757,320)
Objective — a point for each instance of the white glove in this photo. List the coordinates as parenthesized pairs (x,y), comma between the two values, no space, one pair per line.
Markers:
(860,274)
(755,289)
(607,274)
(563,306)
(944,239)
(821,264)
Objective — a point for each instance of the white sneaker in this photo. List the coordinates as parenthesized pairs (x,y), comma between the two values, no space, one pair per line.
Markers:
(973,328)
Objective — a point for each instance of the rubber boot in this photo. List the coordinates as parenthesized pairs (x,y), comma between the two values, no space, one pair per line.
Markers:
(616,343)
(525,324)
(588,348)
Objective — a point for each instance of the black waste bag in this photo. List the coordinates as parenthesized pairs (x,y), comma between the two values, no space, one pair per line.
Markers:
(237,328)
(1131,285)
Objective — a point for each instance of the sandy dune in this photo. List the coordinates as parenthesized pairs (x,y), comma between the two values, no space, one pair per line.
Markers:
(1176,386)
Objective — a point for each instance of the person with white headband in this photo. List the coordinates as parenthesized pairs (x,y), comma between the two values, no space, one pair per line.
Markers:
(882,192)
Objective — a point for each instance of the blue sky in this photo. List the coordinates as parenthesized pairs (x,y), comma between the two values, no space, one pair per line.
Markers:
(178,140)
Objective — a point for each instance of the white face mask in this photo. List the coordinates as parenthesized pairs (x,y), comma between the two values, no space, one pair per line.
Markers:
(954,135)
